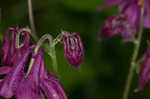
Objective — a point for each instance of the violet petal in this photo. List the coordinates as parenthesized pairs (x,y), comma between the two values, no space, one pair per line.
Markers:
(147,14)
(144,74)
(5,69)
(117,25)
(29,87)
(12,79)
(131,11)
(50,84)
(52,89)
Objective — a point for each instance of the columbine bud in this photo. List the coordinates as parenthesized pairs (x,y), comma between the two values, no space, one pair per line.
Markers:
(73,49)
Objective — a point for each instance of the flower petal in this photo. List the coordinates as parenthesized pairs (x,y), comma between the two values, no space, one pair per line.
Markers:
(29,87)
(8,45)
(147,14)
(131,11)
(144,74)
(5,69)
(117,25)
(110,28)
(50,84)
(12,79)
(52,89)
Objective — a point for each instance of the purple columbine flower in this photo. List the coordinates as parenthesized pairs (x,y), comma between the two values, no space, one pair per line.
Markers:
(10,54)
(9,51)
(144,74)
(32,86)
(73,49)
(131,10)
(15,63)
(117,25)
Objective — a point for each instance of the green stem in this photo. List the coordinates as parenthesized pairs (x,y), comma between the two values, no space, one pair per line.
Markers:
(135,54)
(33,29)
(51,52)
(31,20)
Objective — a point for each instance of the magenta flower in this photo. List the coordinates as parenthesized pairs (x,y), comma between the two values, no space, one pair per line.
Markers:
(38,81)
(117,25)
(16,61)
(9,51)
(144,74)
(131,10)
(9,84)
(128,23)
(73,49)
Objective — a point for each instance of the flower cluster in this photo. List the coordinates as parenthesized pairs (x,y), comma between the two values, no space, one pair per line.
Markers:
(16,61)
(129,10)
(126,24)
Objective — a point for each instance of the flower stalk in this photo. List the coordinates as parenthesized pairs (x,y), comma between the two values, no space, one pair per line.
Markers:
(31,20)
(135,54)
(51,52)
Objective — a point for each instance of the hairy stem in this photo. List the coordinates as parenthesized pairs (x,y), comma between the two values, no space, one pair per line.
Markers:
(135,54)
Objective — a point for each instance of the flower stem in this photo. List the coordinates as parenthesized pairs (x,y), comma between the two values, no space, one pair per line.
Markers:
(33,34)
(135,54)
(51,51)
(31,20)
(32,24)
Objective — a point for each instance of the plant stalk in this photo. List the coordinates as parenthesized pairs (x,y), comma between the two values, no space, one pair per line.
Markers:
(51,52)
(135,54)
(31,20)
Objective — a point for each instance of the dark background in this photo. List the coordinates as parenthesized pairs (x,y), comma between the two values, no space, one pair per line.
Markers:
(104,70)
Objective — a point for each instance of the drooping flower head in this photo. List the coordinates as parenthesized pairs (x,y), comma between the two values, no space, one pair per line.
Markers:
(32,86)
(9,84)
(144,74)
(117,25)
(73,49)
(16,82)
(38,81)
(131,10)
(10,52)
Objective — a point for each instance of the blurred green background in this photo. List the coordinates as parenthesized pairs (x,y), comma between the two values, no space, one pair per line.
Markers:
(104,70)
